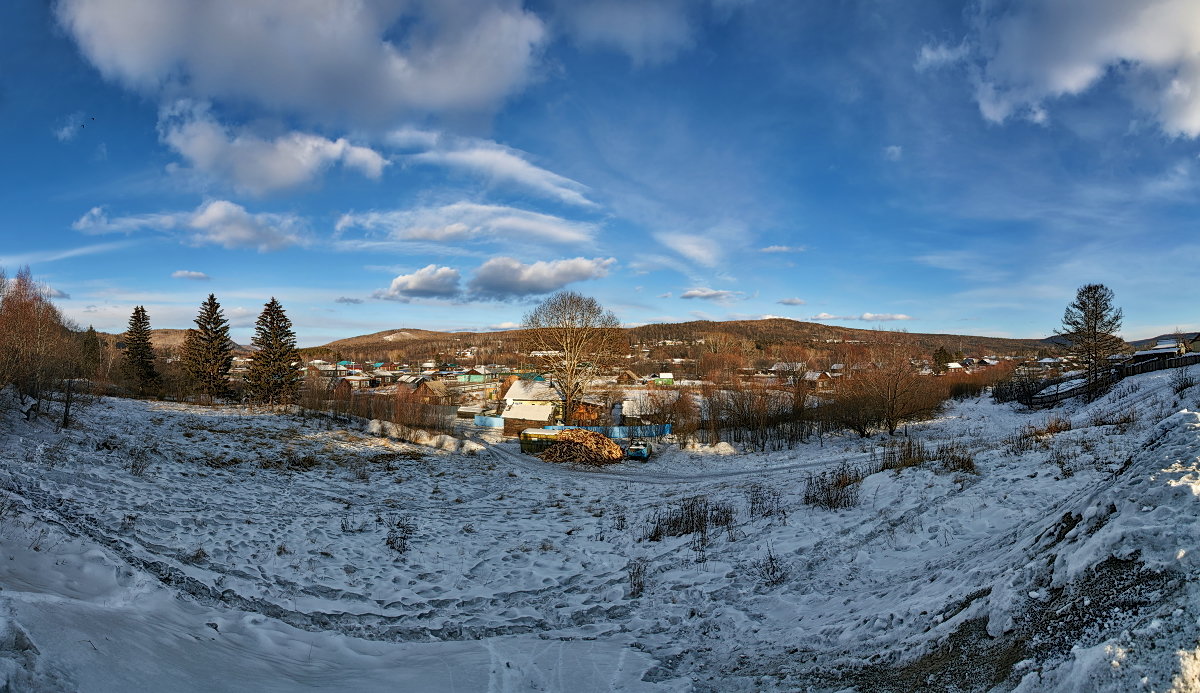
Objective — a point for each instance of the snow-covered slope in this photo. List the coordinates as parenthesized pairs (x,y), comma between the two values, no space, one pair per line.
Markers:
(181,548)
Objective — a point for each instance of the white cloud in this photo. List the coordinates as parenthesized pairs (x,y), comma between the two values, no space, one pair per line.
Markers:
(866,317)
(348,300)
(782,249)
(430,281)
(1039,50)
(893,152)
(791,301)
(361,61)
(934,56)
(51,292)
(412,138)
(468,220)
(71,126)
(506,277)
(189,274)
(40,256)
(216,222)
(648,31)
(716,295)
(253,164)
(505,326)
(502,164)
(699,249)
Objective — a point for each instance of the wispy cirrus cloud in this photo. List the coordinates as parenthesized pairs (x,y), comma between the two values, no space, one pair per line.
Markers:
(469,220)
(500,164)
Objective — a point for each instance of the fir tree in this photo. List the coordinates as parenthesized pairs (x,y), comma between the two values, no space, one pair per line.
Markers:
(90,353)
(207,351)
(940,358)
(273,379)
(138,363)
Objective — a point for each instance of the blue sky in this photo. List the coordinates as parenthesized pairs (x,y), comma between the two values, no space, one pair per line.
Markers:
(445,164)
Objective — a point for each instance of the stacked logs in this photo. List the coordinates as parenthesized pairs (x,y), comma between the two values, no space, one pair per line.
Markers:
(583,447)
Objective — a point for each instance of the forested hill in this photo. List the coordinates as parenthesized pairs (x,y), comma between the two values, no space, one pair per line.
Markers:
(767,337)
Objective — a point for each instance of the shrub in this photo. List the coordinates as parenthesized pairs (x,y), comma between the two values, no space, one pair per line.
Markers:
(956,457)
(906,453)
(400,534)
(637,576)
(765,502)
(691,516)
(834,489)
(1181,380)
(770,570)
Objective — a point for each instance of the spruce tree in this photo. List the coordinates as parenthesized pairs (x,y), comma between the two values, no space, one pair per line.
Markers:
(138,362)
(940,358)
(207,351)
(91,351)
(273,377)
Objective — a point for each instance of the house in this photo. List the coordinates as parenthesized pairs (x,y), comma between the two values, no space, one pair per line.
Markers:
(954,367)
(342,387)
(1049,363)
(818,381)
(519,417)
(788,367)
(476,375)
(662,379)
(433,392)
(532,392)
(628,377)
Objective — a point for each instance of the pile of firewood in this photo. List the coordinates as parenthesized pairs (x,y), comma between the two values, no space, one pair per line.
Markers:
(583,447)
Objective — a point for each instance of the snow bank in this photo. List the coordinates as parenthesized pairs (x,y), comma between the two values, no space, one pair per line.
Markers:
(439,441)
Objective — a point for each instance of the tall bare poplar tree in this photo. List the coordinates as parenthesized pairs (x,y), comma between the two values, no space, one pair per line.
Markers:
(577,338)
(274,377)
(207,351)
(1090,324)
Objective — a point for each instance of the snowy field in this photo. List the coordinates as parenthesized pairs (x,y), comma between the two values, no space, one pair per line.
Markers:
(167,547)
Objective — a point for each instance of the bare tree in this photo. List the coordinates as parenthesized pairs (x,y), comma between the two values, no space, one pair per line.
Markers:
(888,391)
(575,339)
(1090,324)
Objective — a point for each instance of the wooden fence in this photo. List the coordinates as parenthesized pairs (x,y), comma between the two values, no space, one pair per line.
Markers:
(1115,375)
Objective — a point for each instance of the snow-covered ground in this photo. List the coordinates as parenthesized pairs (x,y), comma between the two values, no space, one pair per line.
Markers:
(168,547)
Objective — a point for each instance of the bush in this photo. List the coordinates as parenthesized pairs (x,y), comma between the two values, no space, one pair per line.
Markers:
(637,576)
(400,534)
(956,457)
(765,502)
(1181,380)
(691,516)
(907,453)
(770,570)
(834,489)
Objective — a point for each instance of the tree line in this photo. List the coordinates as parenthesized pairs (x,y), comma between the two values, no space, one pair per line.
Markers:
(44,356)
(274,376)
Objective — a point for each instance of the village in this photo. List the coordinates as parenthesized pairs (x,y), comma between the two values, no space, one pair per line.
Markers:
(524,401)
